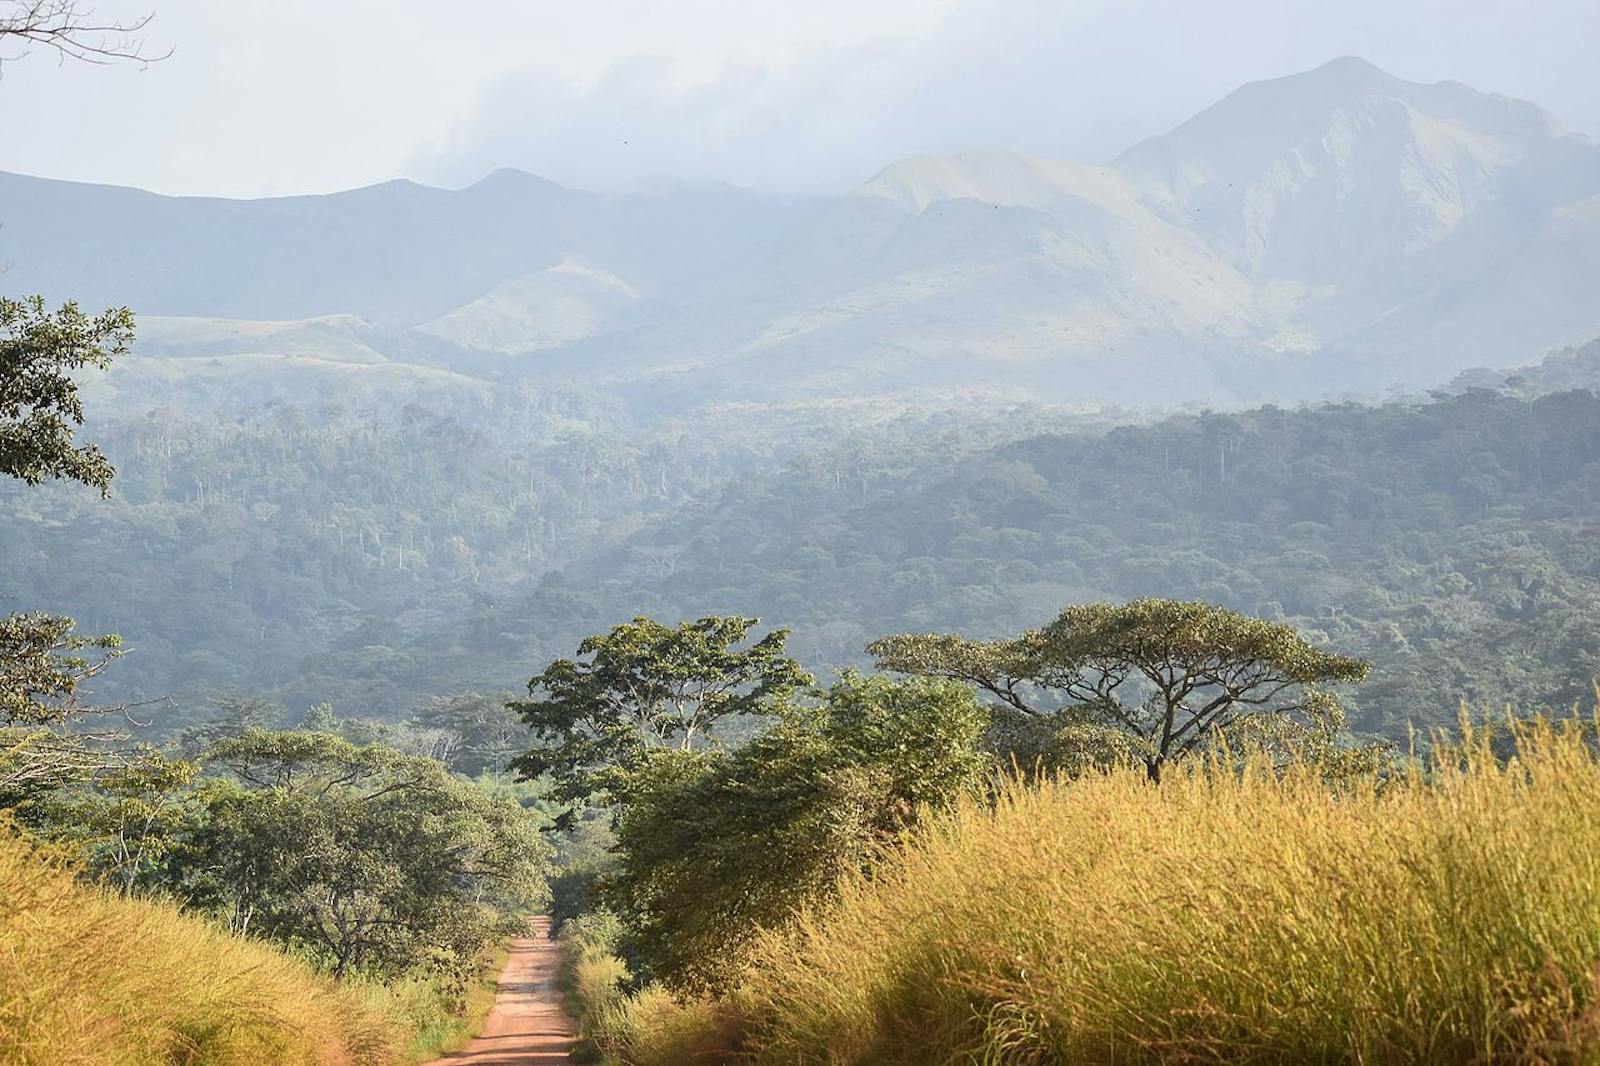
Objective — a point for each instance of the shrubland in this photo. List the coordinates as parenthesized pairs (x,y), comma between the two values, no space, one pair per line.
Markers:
(1443,911)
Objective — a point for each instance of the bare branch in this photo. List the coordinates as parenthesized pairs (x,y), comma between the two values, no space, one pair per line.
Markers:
(73,32)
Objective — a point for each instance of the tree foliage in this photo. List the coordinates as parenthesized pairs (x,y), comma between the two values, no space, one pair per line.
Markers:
(42,664)
(368,859)
(40,353)
(713,846)
(129,823)
(484,733)
(1172,676)
(645,686)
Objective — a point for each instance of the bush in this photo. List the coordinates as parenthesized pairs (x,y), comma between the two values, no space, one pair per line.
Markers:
(713,847)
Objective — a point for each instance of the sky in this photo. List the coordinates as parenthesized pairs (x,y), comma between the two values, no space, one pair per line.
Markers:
(274,97)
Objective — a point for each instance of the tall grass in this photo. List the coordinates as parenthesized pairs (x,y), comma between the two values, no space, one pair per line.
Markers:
(1450,915)
(616,1025)
(88,977)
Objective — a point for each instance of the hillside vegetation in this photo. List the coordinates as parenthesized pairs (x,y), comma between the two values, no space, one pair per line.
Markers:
(1443,914)
(376,561)
(87,977)
(1450,542)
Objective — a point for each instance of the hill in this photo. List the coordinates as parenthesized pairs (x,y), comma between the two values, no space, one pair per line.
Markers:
(1337,230)
(373,560)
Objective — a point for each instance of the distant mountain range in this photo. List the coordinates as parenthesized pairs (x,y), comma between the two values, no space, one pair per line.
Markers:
(1335,231)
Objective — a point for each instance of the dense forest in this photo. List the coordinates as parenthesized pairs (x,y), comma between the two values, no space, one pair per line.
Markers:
(375,559)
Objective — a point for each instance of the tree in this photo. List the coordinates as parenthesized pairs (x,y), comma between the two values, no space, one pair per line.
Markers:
(487,733)
(231,715)
(71,30)
(128,822)
(648,686)
(366,858)
(714,846)
(1166,676)
(42,665)
(39,403)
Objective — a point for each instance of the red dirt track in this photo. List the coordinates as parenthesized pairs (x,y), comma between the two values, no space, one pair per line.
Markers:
(527,1025)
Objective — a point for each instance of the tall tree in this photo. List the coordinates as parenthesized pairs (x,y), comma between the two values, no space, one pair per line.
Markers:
(361,856)
(40,354)
(1166,677)
(42,665)
(646,686)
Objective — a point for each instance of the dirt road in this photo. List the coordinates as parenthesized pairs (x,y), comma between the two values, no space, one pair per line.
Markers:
(526,1026)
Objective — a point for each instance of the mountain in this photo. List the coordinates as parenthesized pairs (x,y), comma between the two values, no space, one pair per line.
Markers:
(1336,231)
(559,304)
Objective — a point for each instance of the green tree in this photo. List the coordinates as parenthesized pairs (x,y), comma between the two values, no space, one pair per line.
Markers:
(40,354)
(231,715)
(42,661)
(486,733)
(42,665)
(128,822)
(1160,678)
(371,860)
(714,846)
(647,686)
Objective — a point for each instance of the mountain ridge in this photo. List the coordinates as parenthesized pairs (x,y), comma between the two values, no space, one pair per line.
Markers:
(1338,229)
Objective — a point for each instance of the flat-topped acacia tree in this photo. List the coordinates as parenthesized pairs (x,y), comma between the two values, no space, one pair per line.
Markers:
(1156,679)
(647,686)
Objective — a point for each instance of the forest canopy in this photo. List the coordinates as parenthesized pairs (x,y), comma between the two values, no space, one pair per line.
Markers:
(376,560)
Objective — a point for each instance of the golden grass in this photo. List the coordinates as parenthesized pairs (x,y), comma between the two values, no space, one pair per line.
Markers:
(1451,916)
(88,977)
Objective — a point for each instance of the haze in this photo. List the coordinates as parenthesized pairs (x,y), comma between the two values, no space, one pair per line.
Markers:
(306,97)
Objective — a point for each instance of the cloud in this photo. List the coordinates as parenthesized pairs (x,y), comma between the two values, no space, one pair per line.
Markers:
(303,95)
(1080,80)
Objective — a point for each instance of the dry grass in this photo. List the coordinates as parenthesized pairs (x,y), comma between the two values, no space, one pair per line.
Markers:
(618,1026)
(1451,916)
(87,977)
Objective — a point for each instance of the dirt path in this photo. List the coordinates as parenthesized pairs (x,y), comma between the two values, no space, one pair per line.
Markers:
(526,1026)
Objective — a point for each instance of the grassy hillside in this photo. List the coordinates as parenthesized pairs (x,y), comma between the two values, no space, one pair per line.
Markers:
(1444,916)
(91,978)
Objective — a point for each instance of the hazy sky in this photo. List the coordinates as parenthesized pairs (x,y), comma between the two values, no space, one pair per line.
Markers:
(278,96)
